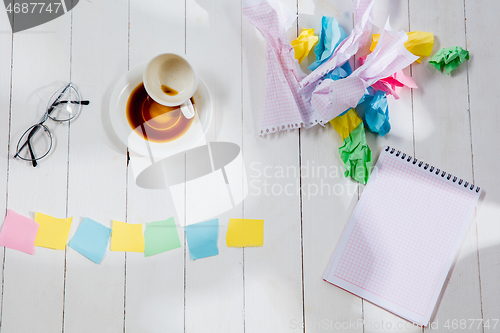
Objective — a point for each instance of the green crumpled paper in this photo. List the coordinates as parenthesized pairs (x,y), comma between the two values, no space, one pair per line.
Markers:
(449,58)
(356,155)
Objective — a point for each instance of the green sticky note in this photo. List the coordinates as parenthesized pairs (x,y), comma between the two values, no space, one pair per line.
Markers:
(161,236)
(449,58)
(356,155)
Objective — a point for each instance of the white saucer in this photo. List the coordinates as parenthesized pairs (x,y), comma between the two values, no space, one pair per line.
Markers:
(135,143)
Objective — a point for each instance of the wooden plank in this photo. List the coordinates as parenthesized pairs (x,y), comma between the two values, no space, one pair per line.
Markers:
(328,200)
(442,138)
(214,286)
(483,97)
(400,137)
(273,274)
(94,294)
(33,285)
(154,285)
(5,81)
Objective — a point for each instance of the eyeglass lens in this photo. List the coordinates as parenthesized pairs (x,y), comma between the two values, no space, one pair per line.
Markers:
(36,143)
(65,104)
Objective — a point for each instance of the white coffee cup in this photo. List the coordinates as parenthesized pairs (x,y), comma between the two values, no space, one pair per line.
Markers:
(170,79)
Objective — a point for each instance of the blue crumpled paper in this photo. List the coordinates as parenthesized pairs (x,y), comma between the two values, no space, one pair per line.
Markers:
(374,110)
(330,37)
(340,72)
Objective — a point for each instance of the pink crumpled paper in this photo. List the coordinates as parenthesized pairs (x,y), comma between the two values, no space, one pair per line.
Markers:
(283,107)
(393,84)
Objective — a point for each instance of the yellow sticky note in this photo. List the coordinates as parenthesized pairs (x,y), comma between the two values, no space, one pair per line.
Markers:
(245,233)
(375,38)
(304,44)
(420,43)
(127,237)
(53,232)
(346,123)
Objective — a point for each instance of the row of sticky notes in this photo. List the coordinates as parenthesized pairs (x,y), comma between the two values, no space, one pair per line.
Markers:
(91,238)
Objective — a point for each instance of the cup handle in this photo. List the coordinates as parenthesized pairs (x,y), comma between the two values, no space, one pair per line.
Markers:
(187,109)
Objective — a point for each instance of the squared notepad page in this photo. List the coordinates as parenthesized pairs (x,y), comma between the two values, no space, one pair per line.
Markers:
(403,236)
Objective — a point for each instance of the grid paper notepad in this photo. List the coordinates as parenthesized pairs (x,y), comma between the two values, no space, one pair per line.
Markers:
(403,236)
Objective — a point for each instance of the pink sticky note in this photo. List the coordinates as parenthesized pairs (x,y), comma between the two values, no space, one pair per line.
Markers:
(18,233)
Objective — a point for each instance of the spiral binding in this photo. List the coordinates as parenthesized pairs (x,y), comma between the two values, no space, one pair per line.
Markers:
(431,168)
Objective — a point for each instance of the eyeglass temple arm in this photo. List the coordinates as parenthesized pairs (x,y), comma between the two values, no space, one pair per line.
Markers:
(73,102)
(33,132)
(51,108)
(33,159)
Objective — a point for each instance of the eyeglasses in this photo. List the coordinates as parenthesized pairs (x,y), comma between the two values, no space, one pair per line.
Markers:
(64,105)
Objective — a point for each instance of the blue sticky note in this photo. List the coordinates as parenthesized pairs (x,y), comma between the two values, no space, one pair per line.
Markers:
(91,240)
(330,37)
(202,239)
(365,102)
(340,72)
(377,114)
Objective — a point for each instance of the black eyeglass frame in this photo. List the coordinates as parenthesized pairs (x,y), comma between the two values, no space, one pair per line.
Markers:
(30,132)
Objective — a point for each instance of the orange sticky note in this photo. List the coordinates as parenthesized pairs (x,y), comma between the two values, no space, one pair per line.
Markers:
(127,237)
(245,233)
(53,232)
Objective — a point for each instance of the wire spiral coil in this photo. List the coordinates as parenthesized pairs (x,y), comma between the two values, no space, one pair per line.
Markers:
(431,168)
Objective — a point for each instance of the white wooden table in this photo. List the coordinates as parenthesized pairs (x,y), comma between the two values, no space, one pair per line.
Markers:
(450,121)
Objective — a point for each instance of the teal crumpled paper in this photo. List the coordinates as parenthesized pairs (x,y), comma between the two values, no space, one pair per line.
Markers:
(330,37)
(340,72)
(356,155)
(449,58)
(375,112)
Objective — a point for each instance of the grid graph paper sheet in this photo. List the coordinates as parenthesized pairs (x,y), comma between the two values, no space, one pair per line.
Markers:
(403,236)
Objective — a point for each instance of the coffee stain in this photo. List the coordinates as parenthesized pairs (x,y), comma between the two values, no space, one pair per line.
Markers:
(169,91)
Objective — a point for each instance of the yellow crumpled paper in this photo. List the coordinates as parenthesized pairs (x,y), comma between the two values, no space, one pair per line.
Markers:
(346,123)
(419,43)
(304,44)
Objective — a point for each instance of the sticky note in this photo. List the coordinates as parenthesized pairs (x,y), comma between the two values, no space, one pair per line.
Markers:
(303,44)
(127,237)
(449,58)
(91,239)
(18,233)
(420,43)
(346,123)
(356,155)
(202,239)
(53,232)
(330,37)
(245,232)
(161,236)
(377,114)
